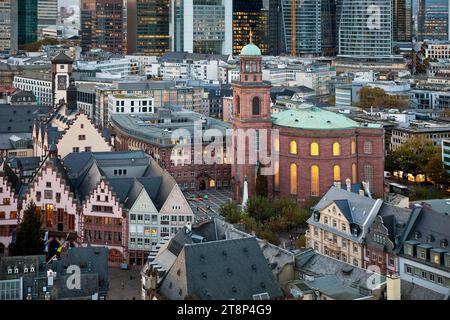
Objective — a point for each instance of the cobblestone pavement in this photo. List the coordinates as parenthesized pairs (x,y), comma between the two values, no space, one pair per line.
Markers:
(130,288)
(205,209)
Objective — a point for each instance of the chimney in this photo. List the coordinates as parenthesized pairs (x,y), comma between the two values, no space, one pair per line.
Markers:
(393,287)
(348,182)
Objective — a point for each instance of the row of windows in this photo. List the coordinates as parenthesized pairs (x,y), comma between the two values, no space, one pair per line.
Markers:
(314,148)
(426,275)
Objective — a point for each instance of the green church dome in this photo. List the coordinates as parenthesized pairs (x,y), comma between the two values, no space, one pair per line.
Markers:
(250,50)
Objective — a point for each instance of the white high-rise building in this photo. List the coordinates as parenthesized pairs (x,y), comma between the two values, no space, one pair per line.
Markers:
(8,26)
(202,26)
(47,13)
(365,28)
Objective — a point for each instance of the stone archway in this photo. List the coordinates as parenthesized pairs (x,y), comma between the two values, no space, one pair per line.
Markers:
(114,257)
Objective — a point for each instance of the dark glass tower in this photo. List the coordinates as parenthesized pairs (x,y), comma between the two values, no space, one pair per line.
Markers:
(248,16)
(402,21)
(27,21)
(103,25)
(433,20)
(152,27)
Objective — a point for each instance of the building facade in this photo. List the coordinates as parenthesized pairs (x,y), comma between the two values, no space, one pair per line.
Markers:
(402,23)
(202,26)
(47,14)
(365,28)
(104,25)
(8,26)
(433,20)
(27,21)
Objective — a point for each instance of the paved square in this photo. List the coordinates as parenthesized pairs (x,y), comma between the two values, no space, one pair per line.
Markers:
(204,209)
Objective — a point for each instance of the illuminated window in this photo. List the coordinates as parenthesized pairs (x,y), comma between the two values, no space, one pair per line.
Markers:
(337,173)
(314,149)
(293,147)
(354,173)
(276,145)
(277,175)
(293,178)
(336,149)
(49,214)
(353,146)
(314,180)
(212,183)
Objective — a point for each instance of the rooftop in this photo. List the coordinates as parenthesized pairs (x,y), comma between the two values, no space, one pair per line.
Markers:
(314,118)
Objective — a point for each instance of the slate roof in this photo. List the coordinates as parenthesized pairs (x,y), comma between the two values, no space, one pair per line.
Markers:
(439,205)
(331,286)
(26,163)
(21,96)
(220,270)
(20,118)
(62,58)
(357,209)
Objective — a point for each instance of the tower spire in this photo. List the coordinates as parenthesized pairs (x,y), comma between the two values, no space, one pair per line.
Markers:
(251,36)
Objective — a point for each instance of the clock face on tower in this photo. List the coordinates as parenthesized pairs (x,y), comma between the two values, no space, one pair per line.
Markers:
(62,82)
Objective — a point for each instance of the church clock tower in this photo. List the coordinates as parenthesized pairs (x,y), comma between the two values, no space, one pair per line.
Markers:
(61,72)
(251,113)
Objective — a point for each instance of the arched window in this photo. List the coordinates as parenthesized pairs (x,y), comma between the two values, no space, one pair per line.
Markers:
(315,180)
(314,149)
(293,147)
(255,106)
(368,147)
(238,105)
(293,178)
(277,175)
(354,173)
(336,149)
(353,146)
(337,173)
(368,174)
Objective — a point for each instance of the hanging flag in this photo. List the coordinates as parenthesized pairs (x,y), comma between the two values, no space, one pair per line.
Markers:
(46,242)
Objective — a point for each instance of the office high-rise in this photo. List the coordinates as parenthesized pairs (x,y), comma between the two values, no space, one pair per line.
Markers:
(295,27)
(47,13)
(202,26)
(27,21)
(433,20)
(104,25)
(8,26)
(365,28)
(151,35)
(248,16)
(402,20)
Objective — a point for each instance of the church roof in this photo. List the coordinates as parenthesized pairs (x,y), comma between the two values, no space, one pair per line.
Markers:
(250,50)
(314,118)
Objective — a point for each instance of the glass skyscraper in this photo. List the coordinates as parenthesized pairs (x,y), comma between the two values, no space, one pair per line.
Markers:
(365,28)
(402,21)
(27,21)
(202,26)
(433,20)
(8,26)
(248,17)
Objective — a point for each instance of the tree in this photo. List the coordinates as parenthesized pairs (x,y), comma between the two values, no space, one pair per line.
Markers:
(378,98)
(259,209)
(231,212)
(261,184)
(414,155)
(435,170)
(35,46)
(28,237)
(300,242)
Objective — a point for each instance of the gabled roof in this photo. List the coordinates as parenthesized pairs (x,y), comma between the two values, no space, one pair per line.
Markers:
(62,58)
(344,207)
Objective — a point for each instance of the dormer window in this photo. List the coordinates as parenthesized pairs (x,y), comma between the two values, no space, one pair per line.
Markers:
(32,269)
(430,238)
(9,271)
(25,270)
(16,270)
(444,243)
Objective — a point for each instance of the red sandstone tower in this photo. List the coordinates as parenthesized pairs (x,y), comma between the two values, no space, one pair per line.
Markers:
(251,113)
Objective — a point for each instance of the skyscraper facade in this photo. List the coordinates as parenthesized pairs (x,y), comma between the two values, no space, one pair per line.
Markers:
(295,27)
(365,28)
(402,21)
(104,25)
(202,26)
(152,27)
(47,13)
(248,16)
(8,26)
(433,20)
(27,21)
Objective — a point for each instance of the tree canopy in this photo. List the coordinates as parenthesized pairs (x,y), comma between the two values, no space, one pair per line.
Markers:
(28,237)
(378,98)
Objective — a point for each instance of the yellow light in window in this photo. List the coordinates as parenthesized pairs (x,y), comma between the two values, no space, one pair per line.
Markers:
(353,146)
(314,180)
(337,173)
(293,178)
(336,149)
(293,147)
(314,149)
(354,173)
(276,144)
(277,175)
